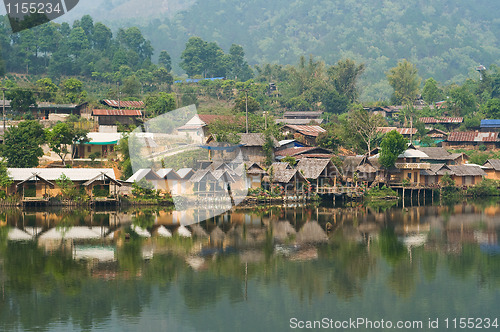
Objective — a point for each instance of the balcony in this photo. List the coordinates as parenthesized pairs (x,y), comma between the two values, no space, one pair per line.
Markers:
(413,165)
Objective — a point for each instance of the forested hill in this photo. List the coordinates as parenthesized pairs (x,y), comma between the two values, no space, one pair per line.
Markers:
(446,39)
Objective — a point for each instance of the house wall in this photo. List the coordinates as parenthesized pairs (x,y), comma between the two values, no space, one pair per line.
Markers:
(467,180)
(85,150)
(492,174)
(114,119)
(253,154)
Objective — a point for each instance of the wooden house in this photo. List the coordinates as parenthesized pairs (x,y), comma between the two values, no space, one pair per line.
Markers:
(490,125)
(287,177)
(186,187)
(172,180)
(113,117)
(406,132)
(439,155)
(101,145)
(447,122)
(131,104)
(463,175)
(409,164)
(320,172)
(149,176)
(42,183)
(472,140)
(492,169)
(255,174)
(252,147)
(361,169)
(303,133)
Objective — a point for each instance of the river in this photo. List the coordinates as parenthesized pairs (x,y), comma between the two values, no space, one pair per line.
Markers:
(250,270)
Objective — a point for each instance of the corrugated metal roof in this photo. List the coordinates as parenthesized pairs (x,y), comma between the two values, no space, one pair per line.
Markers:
(490,123)
(402,131)
(299,121)
(124,103)
(429,120)
(53,174)
(472,136)
(100,112)
(301,150)
(142,173)
(307,130)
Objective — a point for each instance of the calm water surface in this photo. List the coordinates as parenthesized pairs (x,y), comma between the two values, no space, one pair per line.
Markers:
(247,270)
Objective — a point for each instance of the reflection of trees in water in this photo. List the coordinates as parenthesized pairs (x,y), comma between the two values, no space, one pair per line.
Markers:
(344,266)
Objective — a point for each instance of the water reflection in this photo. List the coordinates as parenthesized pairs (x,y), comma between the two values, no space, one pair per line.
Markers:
(89,270)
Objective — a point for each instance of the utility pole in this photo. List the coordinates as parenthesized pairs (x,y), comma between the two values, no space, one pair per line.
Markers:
(3,113)
(246,108)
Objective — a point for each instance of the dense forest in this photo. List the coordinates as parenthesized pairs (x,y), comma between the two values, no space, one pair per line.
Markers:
(445,39)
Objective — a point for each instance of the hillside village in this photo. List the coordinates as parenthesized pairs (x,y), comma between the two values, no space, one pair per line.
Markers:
(295,165)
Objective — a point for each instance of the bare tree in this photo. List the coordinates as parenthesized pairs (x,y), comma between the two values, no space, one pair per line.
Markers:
(366,125)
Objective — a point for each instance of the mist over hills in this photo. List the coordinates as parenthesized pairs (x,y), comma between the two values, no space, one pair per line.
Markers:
(446,39)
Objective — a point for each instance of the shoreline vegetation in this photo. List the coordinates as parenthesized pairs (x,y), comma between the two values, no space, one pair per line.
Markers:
(447,193)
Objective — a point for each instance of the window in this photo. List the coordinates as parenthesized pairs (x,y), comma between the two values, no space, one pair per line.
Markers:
(89,148)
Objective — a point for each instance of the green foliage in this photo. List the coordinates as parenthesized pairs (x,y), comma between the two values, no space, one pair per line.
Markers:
(160,103)
(392,145)
(486,187)
(58,138)
(405,81)
(431,92)
(144,189)
(363,125)
(22,146)
(492,108)
(330,139)
(21,99)
(290,160)
(72,90)
(380,192)
(5,179)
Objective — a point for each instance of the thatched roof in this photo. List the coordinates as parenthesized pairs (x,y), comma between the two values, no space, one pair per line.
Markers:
(467,170)
(492,164)
(435,153)
(312,168)
(255,169)
(311,232)
(284,173)
(282,230)
(436,169)
(256,139)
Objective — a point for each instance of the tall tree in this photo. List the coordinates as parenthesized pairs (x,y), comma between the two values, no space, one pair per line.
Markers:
(405,81)
(160,103)
(345,75)
(59,137)
(392,145)
(365,125)
(23,144)
(164,60)
(431,92)
(21,99)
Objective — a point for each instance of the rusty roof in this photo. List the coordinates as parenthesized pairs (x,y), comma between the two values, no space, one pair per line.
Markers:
(124,103)
(429,120)
(472,136)
(116,112)
(308,130)
(402,131)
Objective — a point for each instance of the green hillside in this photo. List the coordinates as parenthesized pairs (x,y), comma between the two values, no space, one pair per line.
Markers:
(446,39)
